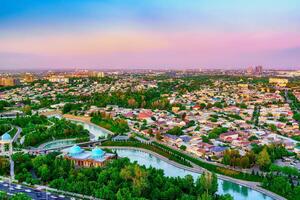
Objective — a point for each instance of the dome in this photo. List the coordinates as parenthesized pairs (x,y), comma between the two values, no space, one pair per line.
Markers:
(5,137)
(74,150)
(97,153)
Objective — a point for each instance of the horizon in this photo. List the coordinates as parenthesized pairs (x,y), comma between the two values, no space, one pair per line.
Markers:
(156,35)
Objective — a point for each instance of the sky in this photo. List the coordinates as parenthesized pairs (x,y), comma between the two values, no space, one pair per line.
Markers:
(157,34)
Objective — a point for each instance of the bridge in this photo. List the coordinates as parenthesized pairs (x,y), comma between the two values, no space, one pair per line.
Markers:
(45,151)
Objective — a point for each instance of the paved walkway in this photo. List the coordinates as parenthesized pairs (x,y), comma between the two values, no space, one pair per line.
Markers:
(42,146)
(16,136)
(159,156)
(206,161)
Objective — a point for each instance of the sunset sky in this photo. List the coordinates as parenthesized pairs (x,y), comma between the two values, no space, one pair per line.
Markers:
(36,34)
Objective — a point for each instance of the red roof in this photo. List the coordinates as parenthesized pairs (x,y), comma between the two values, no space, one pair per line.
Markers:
(145,115)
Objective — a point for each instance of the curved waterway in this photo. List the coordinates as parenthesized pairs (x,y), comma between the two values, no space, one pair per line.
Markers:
(57,143)
(239,192)
(96,131)
(224,187)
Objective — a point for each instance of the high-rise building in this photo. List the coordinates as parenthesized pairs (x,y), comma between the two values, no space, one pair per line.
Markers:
(249,70)
(258,70)
(8,81)
(58,79)
(28,78)
(96,74)
(100,74)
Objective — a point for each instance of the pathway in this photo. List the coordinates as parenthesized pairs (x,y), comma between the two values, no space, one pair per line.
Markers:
(16,136)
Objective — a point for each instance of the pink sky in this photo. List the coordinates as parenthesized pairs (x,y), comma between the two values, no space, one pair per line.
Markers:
(154,34)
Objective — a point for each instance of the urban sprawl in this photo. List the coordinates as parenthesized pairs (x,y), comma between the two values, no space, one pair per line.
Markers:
(241,126)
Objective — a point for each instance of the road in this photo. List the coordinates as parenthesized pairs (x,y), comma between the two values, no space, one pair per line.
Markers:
(287,138)
(12,189)
(19,130)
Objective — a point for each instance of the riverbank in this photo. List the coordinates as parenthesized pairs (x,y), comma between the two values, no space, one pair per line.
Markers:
(252,185)
(150,147)
(45,145)
(196,169)
(82,119)
(213,167)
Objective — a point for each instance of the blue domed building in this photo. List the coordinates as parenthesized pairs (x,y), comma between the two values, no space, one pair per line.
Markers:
(6,144)
(75,150)
(95,158)
(5,137)
(97,153)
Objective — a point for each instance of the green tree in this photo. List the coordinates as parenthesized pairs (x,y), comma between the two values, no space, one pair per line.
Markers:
(244,162)
(44,172)
(297,116)
(123,194)
(176,130)
(205,196)
(281,185)
(209,182)
(263,159)
(20,196)
(183,147)
(27,110)
(3,195)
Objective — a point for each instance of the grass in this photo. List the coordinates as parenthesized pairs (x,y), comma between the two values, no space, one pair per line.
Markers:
(141,136)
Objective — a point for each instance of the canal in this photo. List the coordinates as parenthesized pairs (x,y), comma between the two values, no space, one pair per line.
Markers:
(224,187)
(239,192)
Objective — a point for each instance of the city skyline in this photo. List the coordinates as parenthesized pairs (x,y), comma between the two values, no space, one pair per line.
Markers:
(149,34)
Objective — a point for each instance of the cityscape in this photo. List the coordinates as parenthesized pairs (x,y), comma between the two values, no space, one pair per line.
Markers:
(136,100)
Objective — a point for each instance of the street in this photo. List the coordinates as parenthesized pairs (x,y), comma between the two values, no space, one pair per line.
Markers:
(12,189)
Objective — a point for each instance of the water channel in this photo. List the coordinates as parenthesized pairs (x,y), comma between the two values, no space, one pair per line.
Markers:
(143,158)
(225,187)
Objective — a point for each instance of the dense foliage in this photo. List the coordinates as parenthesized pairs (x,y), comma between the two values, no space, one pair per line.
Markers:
(176,130)
(282,185)
(118,180)
(150,98)
(261,155)
(71,107)
(212,167)
(3,104)
(106,121)
(60,129)
(38,129)
(216,132)
(18,196)
(274,151)
(233,158)
(295,105)
(4,128)
(255,115)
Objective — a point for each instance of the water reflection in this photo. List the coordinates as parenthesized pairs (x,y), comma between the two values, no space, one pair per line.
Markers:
(237,191)
(56,144)
(142,158)
(94,130)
